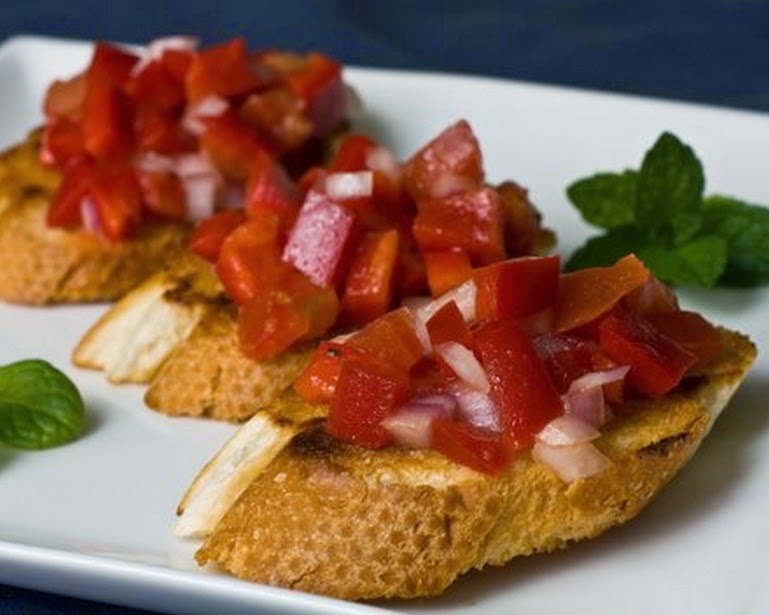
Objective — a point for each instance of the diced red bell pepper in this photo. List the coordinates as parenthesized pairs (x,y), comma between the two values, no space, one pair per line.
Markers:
(448,325)
(471,220)
(368,290)
(319,83)
(118,198)
(64,98)
(317,383)
(278,113)
(522,220)
(657,362)
(270,189)
(454,154)
(163,194)
(235,148)
(222,70)
(159,130)
(447,269)
(411,273)
(391,338)
(516,288)
(351,153)
(589,293)
(177,62)
(471,446)
(110,64)
(65,208)
(209,235)
(155,86)
(62,141)
(275,319)
(368,390)
(521,388)
(690,330)
(566,357)
(107,125)
(249,259)
(322,240)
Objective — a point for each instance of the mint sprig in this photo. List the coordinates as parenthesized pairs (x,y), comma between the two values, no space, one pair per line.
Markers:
(660,213)
(40,407)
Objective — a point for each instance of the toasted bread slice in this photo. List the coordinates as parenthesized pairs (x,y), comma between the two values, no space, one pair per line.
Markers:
(44,265)
(132,340)
(208,375)
(335,519)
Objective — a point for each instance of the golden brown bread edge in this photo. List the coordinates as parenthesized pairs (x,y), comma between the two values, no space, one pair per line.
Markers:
(331,518)
(44,265)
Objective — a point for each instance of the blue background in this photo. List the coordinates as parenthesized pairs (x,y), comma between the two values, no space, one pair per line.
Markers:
(709,51)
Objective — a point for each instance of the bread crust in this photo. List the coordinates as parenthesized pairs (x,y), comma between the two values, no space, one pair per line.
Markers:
(44,265)
(331,518)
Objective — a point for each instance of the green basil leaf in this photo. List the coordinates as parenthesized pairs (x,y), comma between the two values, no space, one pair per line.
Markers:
(606,200)
(40,407)
(671,182)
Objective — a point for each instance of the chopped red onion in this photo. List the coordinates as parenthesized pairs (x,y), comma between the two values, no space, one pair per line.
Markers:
(463,363)
(342,186)
(381,159)
(476,407)
(571,462)
(567,429)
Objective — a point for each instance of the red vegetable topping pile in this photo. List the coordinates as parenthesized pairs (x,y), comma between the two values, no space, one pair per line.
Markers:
(518,357)
(348,241)
(173,132)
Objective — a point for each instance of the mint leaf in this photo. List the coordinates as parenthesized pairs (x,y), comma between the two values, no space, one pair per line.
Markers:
(700,262)
(671,182)
(39,406)
(605,250)
(745,229)
(606,200)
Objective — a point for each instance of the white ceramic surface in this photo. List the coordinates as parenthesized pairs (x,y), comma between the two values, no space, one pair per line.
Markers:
(93,518)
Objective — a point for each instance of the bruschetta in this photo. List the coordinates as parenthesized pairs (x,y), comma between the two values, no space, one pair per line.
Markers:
(491,424)
(139,146)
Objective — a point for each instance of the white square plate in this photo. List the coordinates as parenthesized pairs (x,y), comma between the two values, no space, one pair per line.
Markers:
(93,518)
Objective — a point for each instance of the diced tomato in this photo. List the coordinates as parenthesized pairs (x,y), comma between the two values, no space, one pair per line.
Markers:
(453,156)
(471,220)
(118,198)
(521,389)
(270,189)
(447,269)
(471,446)
(163,194)
(448,325)
(222,70)
(657,362)
(319,83)
(62,141)
(367,391)
(317,383)
(208,237)
(249,259)
(350,155)
(278,113)
(691,331)
(274,319)
(391,338)
(235,147)
(368,290)
(322,240)
(516,288)
(589,293)
(64,210)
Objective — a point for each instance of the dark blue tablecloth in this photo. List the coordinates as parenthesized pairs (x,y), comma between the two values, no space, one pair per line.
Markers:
(713,51)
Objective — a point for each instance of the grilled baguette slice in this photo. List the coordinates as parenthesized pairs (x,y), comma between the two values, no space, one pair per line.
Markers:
(331,518)
(43,265)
